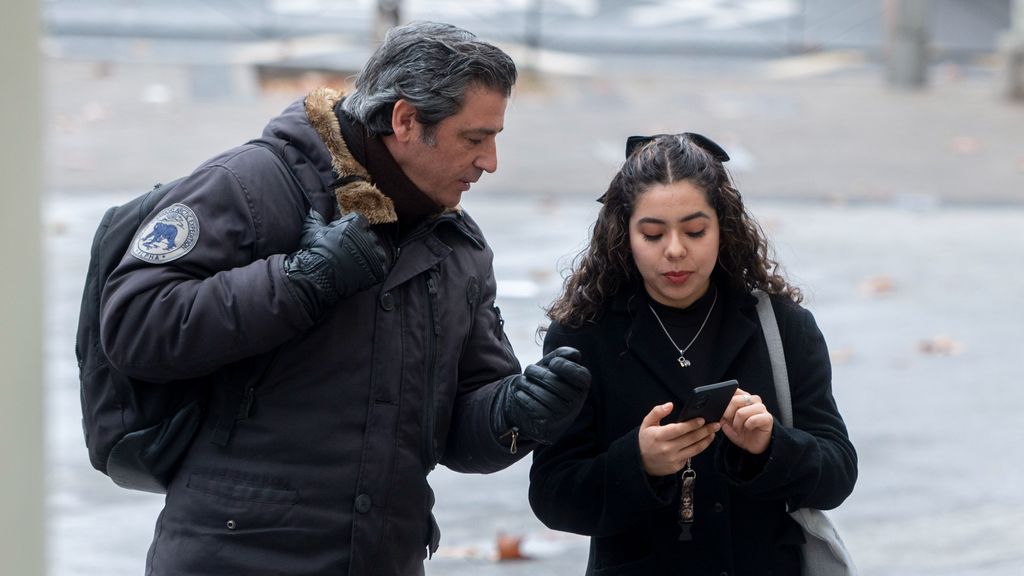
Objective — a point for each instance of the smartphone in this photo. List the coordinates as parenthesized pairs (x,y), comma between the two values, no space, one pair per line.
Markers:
(709,402)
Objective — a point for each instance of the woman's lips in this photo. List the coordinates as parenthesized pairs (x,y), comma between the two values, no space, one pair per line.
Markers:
(677,277)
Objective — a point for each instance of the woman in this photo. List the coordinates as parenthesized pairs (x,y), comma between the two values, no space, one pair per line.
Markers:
(659,303)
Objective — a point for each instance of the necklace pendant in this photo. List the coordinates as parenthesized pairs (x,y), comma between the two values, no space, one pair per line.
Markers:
(683,362)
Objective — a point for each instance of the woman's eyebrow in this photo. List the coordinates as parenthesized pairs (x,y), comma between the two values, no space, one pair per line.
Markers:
(694,216)
(652,220)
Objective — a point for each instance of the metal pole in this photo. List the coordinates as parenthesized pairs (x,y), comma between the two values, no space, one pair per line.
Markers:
(907,46)
(387,16)
(1011,47)
(21,401)
(798,29)
(533,22)
(532,34)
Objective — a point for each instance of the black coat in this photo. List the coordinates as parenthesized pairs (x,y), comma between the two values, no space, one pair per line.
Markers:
(592,481)
(326,469)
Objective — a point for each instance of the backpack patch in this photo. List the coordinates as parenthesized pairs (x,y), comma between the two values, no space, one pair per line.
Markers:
(167,237)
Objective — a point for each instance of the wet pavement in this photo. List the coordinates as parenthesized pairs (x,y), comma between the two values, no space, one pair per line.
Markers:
(922,334)
(901,214)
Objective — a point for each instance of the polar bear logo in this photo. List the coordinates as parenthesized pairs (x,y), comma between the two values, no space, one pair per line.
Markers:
(171,234)
(162,232)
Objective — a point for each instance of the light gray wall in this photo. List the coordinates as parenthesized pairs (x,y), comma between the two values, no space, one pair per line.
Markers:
(21,407)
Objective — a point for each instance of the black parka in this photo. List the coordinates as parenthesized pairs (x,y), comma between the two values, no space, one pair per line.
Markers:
(343,416)
(592,480)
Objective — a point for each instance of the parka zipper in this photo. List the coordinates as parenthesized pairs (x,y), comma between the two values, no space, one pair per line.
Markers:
(499,333)
(429,451)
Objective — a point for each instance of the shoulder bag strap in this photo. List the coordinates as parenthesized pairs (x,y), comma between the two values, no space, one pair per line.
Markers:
(777,354)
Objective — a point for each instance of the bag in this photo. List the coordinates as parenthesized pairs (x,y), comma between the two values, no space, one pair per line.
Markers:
(137,431)
(824,553)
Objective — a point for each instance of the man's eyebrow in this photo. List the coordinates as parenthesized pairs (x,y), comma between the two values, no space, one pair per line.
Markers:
(481,131)
(694,216)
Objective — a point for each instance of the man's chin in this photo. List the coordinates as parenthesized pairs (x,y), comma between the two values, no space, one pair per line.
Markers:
(451,199)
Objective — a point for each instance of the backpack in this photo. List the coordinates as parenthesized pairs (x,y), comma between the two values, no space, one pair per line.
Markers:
(137,431)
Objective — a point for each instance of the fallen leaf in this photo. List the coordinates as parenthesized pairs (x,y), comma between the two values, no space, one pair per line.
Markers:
(966,145)
(940,346)
(876,286)
(508,548)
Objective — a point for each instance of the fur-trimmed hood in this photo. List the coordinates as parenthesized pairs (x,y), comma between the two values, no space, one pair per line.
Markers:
(355,192)
(355,188)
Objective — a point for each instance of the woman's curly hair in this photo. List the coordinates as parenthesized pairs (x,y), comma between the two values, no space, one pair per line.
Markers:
(745,258)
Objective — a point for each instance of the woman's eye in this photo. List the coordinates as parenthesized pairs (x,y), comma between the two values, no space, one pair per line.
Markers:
(652,237)
(697,234)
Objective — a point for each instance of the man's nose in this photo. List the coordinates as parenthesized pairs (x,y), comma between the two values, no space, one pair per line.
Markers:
(488,159)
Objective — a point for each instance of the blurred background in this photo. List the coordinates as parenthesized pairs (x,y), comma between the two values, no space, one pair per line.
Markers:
(879,142)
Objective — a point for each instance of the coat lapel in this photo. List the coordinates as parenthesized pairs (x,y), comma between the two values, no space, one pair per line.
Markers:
(737,328)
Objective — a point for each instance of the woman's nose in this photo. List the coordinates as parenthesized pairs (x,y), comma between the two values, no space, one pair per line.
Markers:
(676,247)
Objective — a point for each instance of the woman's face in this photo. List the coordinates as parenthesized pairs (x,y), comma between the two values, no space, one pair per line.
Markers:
(673,234)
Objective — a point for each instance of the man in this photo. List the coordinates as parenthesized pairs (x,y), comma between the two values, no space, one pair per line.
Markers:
(355,300)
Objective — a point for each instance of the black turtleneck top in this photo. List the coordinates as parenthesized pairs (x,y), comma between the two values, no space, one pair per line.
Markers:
(683,324)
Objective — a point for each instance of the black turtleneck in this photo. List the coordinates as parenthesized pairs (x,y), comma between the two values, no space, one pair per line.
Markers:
(411,204)
(682,324)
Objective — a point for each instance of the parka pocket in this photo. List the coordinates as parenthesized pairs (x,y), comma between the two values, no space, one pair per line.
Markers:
(210,512)
(499,333)
(245,490)
(472,300)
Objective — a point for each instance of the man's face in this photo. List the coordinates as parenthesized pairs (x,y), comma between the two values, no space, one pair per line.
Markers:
(446,162)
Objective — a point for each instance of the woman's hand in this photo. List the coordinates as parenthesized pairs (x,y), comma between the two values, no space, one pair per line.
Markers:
(665,449)
(747,423)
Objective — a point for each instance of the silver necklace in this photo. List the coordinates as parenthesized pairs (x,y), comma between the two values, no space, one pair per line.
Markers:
(683,362)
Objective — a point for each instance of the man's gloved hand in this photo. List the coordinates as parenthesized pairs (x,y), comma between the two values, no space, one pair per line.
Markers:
(543,401)
(335,261)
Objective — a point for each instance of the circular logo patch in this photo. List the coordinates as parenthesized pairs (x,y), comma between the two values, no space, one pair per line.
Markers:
(169,236)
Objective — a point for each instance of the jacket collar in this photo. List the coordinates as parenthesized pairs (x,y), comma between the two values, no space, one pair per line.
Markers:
(382,194)
(411,204)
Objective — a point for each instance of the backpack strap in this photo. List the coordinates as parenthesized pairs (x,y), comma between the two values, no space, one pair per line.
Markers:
(239,399)
(277,146)
(777,355)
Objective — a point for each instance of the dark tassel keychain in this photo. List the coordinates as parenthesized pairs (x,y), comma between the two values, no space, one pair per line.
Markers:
(689,478)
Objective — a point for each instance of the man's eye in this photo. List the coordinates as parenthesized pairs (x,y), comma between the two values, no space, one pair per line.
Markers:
(475,141)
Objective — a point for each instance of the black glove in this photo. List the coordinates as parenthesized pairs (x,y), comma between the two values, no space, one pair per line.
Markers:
(336,260)
(542,402)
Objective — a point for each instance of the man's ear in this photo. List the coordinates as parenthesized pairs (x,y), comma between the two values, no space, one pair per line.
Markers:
(403,121)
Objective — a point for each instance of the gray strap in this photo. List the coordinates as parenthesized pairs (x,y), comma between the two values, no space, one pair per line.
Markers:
(824,554)
(777,354)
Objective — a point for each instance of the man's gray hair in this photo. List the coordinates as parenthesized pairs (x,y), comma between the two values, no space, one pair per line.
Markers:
(430,65)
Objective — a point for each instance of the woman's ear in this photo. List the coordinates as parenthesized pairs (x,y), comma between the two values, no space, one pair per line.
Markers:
(403,121)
